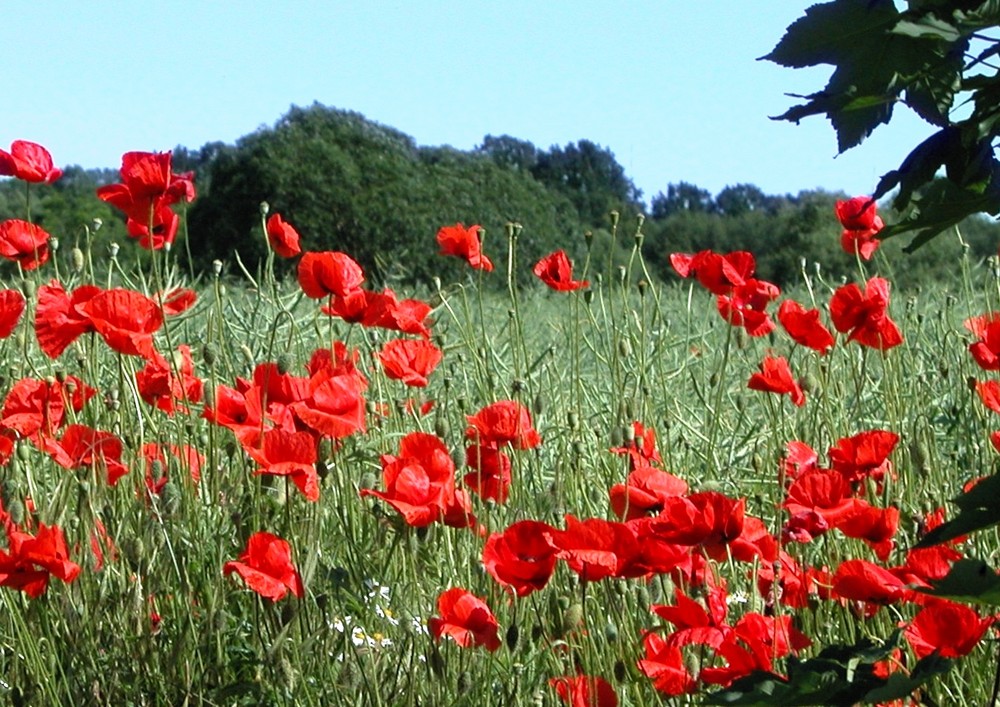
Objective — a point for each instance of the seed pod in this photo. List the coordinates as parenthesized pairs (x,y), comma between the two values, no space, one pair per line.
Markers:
(512,637)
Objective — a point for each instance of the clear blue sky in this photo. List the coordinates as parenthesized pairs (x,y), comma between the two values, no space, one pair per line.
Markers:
(672,88)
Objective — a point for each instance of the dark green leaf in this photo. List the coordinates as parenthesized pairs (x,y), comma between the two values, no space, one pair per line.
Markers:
(831,33)
(969,581)
(979,508)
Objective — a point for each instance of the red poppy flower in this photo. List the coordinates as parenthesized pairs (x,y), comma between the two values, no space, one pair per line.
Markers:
(176,301)
(37,408)
(664,665)
(464,243)
(329,273)
(147,190)
(865,316)
(717,273)
(794,586)
(799,459)
(804,326)
(503,422)
(28,161)
(466,619)
(170,385)
(29,560)
(410,360)
(84,447)
(595,548)
(951,630)
(58,319)
(860,580)
(857,214)
(266,567)
(709,519)
(381,309)
(644,493)
(817,501)
(776,377)
(556,271)
(282,237)
(125,319)
(522,557)
(490,476)
(746,306)
(334,406)
(11,308)
(24,243)
(986,350)
(864,455)
(876,526)
(291,454)
(585,691)
(989,393)
(419,482)
(642,449)
(862,243)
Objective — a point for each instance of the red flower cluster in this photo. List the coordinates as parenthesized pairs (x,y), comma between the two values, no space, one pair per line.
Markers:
(147,191)
(861,226)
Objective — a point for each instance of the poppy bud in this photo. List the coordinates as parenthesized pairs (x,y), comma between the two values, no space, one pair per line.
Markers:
(641,286)
(628,434)
(512,636)
(156,470)
(588,296)
(217,267)
(573,419)
(113,250)
(29,288)
(464,684)
(620,671)
(624,348)
(518,386)
(264,208)
(77,259)
(23,453)
(171,497)
(15,509)
(611,632)
(436,661)
(538,404)
(247,354)
(441,427)
(53,244)
(616,437)
(572,618)
(209,354)
(350,677)
(132,549)
(622,272)
(285,363)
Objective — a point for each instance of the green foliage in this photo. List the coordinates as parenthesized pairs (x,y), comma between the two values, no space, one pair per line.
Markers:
(349,184)
(970,581)
(924,57)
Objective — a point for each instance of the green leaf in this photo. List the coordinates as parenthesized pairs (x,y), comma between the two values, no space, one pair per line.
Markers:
(900,685)
(831,33)
(969,581)
(979,508)
(928,27)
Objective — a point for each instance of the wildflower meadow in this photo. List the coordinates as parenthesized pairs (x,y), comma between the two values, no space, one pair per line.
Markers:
(596,489)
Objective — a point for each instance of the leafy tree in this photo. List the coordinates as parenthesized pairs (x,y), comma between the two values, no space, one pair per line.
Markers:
(934,57)
(510,152)
(681,197)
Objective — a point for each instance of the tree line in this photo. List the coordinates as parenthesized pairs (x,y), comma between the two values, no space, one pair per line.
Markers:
(351,184)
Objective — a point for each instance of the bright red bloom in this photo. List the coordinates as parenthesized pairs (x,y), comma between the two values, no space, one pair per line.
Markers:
(804,326)
(865,455)
(466,619)
(29,560)
(776,377)
(335,404)
(585,691)
(861,226)
(26,244)
(857,214)
(58,319)
(709,519)
(147,190)
(419,482)
(986,350)
(82,446)
(951,630)
(717,273)
(664,665)
(490,476)
(644,493)
(176,301)
(860,580)
(876,526)
(799,459)
(410,360)
(37,408)
(28,161)
(595,548)
(291,454)
(989,393)
(282,237)
(865,316)
(381,309)
(816,501)
(556,271)
(11,308)
(522,557)
(329,273)
(170,385)
(503,422)
(125,319)
(746,306)
(642,449)
(266,567)
(464,243)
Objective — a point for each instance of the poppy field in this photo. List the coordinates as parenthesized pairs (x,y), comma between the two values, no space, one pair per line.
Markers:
(599,489)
